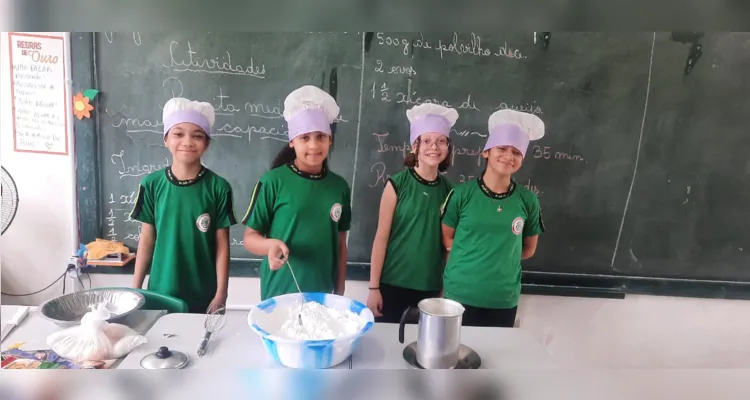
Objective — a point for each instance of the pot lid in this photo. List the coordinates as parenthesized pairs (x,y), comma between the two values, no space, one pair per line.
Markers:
(165,359)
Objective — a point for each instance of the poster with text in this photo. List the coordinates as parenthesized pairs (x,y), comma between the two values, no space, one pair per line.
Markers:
(40,100)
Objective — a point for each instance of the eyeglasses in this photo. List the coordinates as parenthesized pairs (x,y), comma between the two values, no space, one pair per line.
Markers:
(441,143)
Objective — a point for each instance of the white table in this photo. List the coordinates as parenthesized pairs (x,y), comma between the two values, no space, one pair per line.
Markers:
(236,346)
(34,329)
(497,347)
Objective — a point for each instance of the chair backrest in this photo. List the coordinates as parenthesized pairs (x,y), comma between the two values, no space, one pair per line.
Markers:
(158,301)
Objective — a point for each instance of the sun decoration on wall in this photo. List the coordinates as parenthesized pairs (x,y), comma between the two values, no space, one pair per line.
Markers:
(81,106)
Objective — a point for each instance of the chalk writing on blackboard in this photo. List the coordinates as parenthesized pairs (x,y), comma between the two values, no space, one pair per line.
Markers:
(134,170)
(134,236)
(472,46)
(466,133)
(136,125)
(184,59)
(403,147)
(407,70)
(110,218)
(110,36)
(531,108)
(379,175)
(40,100)
(547,153)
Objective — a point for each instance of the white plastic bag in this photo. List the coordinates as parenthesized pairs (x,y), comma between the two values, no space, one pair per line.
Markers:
(95,339)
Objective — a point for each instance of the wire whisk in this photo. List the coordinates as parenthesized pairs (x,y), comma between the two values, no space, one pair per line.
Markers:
(215,320)
(299,316)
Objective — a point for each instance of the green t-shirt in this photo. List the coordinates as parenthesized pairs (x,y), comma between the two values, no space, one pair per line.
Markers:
(415,255)
(306,212)
(186,215)
(484,266)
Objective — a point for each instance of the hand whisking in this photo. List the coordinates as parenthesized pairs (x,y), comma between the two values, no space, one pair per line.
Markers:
(215,320)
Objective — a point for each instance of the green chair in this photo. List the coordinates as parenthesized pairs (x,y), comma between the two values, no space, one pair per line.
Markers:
(158,301)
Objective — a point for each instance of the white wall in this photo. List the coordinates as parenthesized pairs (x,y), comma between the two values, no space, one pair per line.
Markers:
(36,247)
(638,332)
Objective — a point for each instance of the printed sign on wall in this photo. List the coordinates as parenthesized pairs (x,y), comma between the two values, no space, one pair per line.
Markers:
(40,100)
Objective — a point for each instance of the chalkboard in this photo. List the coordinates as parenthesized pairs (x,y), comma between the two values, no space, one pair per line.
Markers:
(642,173)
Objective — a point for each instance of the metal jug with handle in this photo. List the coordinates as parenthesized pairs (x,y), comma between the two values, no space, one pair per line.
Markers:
(439,332)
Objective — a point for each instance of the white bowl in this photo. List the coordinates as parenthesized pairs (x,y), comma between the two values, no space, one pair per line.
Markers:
(307,354)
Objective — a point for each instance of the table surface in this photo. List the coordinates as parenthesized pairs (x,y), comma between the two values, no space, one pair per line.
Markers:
(236,346)
(497,347)
(34,329)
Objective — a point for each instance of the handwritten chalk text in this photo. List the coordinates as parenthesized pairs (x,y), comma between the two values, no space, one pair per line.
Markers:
(407,70)
(404,147)
(530,108)
(547,153)
(134,170)
(182,60)
(110,218)
(458,46)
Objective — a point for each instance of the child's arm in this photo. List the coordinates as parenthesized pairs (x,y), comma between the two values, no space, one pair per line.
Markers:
(344,224)
(388,202)
(143,211)
(260,245)
(222,268)
(533,227)
(144,253)
(225,219)
(529,246)
(448,233)
(257,223)
(341,275)
(449,215)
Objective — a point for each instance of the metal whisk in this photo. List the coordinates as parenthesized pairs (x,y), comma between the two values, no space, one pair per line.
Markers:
(215,320)
(299,316)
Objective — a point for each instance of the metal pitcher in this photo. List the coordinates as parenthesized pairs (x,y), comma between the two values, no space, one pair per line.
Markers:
(439,334)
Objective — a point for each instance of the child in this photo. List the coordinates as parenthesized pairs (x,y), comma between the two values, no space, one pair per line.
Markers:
(299,211)
(490,224)
(186,211)
(407,253)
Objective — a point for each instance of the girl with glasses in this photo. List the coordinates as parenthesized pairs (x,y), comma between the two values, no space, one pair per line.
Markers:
(407,253)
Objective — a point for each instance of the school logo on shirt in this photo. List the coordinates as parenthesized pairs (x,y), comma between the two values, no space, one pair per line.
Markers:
(203,222)
(517,226)
(336,212)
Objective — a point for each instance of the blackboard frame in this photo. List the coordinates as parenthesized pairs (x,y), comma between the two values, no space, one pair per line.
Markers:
(84,76)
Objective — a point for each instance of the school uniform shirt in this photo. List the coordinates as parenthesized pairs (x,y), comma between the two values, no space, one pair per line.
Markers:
(484,265)
(415,255)
(186,215)
(306,212)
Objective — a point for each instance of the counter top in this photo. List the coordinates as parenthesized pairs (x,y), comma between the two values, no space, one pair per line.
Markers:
(236,346)
(34,329)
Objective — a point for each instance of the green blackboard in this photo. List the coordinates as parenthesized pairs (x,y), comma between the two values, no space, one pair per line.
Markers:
(642,174)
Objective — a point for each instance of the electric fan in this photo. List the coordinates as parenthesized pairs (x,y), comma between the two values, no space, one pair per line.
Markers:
(9,196)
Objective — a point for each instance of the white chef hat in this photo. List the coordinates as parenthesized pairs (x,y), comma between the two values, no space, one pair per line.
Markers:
(178,110)
(429,118)
(513,128)
(309,109)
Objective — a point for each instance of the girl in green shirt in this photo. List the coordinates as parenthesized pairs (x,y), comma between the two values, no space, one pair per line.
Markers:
(185,212)
(300,211)
(407,254)
(490,224)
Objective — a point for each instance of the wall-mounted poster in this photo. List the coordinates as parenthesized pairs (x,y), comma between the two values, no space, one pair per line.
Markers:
(38,87)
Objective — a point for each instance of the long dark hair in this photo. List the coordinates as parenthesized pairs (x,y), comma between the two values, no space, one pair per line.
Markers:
(411,160)
(287,155)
